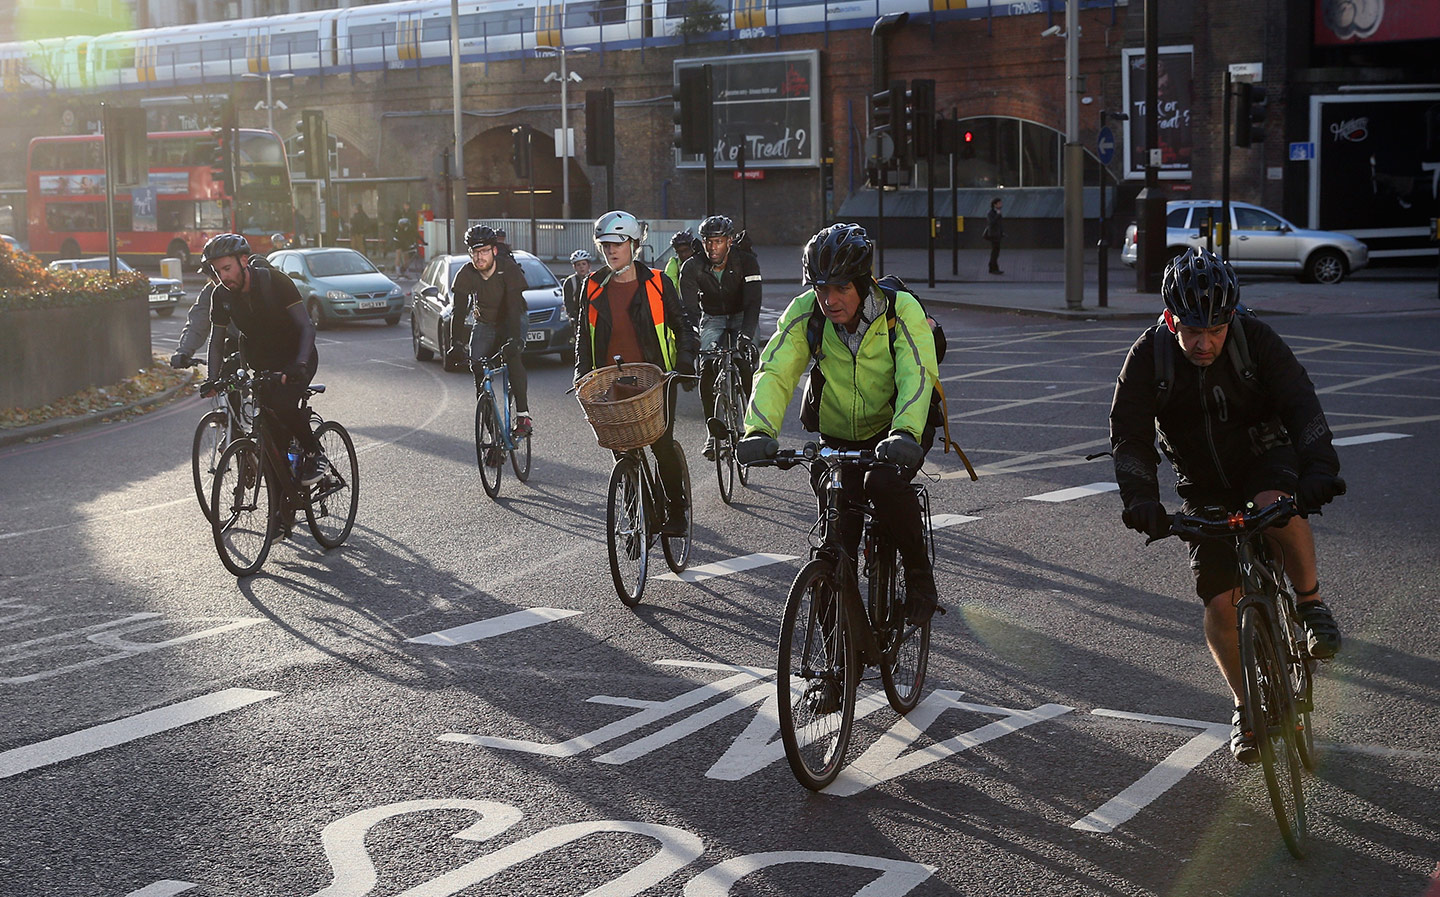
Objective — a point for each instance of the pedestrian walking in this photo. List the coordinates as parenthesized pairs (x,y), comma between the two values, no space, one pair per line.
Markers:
(995,232)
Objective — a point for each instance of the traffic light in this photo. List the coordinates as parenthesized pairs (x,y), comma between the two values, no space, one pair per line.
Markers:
(922,116)
(126,144)
(1250,109)
(312,145)
(520,152)
(692,110)
(600,127)
(222,158)
(889,118)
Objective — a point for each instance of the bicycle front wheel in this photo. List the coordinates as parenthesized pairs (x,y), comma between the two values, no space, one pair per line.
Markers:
(816,677)
(905,648)
(677,548)
(1302,686)
(629,542)
(724,455)
(520,455)
(212,435)
(243,497)
(489,447)
(736,425)
(1271,712)
(331,503)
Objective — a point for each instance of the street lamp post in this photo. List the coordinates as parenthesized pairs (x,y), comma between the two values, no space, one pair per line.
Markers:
(564,78)
(269,95)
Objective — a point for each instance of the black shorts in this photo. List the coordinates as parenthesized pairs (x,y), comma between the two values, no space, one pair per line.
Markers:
(1213,562)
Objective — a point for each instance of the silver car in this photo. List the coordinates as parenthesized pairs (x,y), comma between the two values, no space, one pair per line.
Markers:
(1264,243)
(165,292)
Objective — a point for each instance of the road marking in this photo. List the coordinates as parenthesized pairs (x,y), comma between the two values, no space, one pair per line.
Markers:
(108,735)
(940,521)
(726,567)
(396,364)
(1074,492)
(483,629)
(1369,437)
(165,888)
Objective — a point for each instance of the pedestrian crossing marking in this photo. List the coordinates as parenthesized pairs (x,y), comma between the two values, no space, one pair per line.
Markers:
(728,566)
(940,521)
(1074,492)
(483,629)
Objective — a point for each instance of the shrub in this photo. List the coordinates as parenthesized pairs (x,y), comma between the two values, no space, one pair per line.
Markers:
(25,282)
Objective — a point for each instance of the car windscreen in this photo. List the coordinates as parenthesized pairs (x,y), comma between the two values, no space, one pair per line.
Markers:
(537,276)
(102,265)
(334,264)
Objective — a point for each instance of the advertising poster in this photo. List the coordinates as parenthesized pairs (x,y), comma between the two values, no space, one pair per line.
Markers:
(769,102)
(1174,111)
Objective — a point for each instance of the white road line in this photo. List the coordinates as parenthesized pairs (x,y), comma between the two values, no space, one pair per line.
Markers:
(166,888)
(940,521)
(1369,437)
(396,364)
(142,725)
(1074,492)
(483,629)
(726,567)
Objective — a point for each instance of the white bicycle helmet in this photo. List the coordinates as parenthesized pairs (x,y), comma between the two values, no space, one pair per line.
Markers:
(581,255)
(617,227)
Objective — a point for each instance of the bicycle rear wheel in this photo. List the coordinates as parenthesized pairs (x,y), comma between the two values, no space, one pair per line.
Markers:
(212,435)
(816,677)
(331,504)
(489,447)
(906,648)
(244,499)
(724,455)
(677,548)
(629,542)
(1271,712)
(520,455)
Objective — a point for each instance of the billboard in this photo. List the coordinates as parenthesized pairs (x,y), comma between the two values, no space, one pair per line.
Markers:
(1175,99)
(1339,22)
(770,102)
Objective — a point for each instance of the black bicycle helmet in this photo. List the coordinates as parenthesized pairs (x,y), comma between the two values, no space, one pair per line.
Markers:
(221,245)
(1200,289)
(839,254)
(717,226)
(682,238)
(480,235)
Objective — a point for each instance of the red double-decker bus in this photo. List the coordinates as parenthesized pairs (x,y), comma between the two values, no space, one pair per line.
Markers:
(185,204)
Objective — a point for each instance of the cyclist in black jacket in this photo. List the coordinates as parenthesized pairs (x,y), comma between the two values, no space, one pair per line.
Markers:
(277,335)
(1231,441)
(494,288)
(720,290)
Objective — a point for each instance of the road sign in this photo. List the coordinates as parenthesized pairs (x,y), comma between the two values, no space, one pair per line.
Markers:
(879,146)
(1302,152)
(1105,143)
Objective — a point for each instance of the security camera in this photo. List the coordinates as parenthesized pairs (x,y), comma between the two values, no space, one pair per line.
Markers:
(1051,31)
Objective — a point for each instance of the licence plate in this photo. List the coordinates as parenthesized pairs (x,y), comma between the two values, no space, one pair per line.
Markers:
(380,303)
(535,336)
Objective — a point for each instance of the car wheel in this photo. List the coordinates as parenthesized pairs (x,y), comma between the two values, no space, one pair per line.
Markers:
(421,353)
(1325,266)
(317,316)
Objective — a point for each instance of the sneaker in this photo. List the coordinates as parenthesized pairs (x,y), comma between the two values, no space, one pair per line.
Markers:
(523,426)
(921,596)
(1242,741)
(313,469)
(1322,635)
(709,450)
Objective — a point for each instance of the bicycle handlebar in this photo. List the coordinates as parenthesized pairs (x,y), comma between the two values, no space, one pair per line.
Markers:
(1201,527)
(811,451)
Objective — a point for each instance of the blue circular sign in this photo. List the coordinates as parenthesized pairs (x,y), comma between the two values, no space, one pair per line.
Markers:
(1105,145)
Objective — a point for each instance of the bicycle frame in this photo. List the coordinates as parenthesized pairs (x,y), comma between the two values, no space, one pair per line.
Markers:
(495,369)
(293,495)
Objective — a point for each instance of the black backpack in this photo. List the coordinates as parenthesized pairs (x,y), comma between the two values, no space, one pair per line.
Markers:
(1237,349)
(938,419)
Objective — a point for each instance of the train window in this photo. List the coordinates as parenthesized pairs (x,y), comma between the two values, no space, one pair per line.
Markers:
(180,54)
(481,25)
(300,43)
(365,36)
(594,12)
(120,58)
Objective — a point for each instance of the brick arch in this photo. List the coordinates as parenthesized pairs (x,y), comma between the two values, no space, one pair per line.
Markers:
(496,192)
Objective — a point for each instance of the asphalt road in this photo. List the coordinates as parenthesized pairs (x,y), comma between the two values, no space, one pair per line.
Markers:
(170,730)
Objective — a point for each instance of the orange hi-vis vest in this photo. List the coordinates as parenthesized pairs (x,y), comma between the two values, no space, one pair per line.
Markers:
(655,293)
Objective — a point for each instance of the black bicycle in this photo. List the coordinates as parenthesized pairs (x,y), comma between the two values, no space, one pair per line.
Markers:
(1278,669)
(829,634)
(257,490)
(231,417)
(495,435)
(727,418)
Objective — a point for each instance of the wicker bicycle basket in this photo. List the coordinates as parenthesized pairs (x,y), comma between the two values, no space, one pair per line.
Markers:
(625,415)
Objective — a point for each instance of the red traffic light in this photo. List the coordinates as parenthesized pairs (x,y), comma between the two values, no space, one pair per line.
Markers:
(969,136)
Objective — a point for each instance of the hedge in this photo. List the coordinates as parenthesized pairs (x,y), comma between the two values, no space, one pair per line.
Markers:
(25,282)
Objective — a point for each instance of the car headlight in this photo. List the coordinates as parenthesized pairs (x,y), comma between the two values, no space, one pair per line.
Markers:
(336,294)
(396,292)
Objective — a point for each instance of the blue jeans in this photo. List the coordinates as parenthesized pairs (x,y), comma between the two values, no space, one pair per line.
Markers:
(714,328)
(483,338)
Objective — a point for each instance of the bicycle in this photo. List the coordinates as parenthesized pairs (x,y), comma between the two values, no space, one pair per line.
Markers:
(494,431)
(231,417)
(829,635)
(727,420)
(257,490)
(1275,660)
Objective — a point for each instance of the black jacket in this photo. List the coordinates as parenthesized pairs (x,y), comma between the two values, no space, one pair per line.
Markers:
(687,341)
(995,224)
(273,336)
(736,290)
(1213,426)
(508,316)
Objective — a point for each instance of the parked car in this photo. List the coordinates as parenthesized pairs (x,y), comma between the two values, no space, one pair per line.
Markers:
(14,243)
(165,292)
(339,284)
(548,328)
(1263,243)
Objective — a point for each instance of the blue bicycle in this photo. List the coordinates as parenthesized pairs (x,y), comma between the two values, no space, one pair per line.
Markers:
(494,427)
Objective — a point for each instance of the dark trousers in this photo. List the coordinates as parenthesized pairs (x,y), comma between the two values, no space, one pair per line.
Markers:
(895,505)
(284,400)
(482,345)
(994,255)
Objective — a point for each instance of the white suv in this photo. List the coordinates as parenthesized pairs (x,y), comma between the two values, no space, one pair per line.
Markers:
(1264,243)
